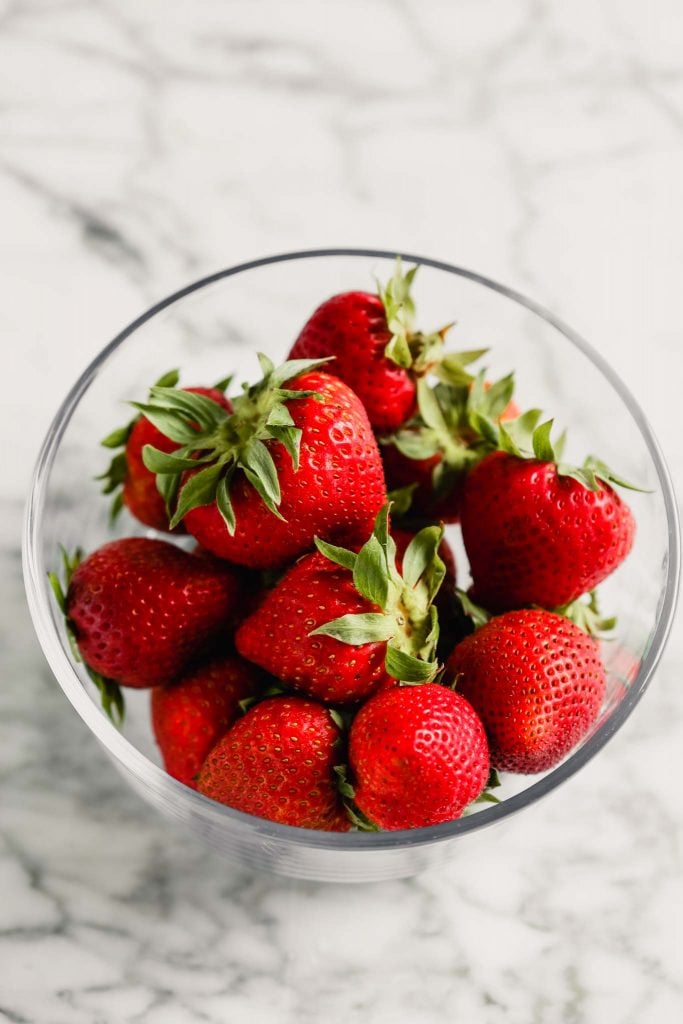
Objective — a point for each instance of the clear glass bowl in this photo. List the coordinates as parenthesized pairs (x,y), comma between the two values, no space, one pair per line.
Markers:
(214,327)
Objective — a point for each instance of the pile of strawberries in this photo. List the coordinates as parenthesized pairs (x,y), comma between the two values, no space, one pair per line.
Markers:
(311,659)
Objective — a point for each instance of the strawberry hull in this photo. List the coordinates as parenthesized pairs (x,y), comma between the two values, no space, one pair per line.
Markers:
(277,636)
(335,493)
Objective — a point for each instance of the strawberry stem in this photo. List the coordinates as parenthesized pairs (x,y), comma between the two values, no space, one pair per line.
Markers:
(214,443)
(407,620)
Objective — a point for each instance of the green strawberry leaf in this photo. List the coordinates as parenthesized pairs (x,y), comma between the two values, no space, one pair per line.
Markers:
(200,489)
(294,368)
(190,406)
(408,669)
(358,629)
(585,613)
(223,384)
(258,465)
(542,445)
(341,556)
(117,438)
(169,379)
(370,577)
(170,424)
(224,504)
(421,554)
(111,696)
(401,500)
(479,615)
(343,785)
(167,462)
(601,469)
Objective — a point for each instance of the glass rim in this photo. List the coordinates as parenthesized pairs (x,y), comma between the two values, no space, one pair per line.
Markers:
(125,752)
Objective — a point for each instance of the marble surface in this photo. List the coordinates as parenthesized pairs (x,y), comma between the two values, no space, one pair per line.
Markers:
(143,144)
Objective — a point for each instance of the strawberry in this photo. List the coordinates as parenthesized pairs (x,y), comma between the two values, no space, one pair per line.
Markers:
(338,623)
(128,478)
(296,458)
(453,429)
(141,610)
(417,756)
(537,531)
(537,682)
(377,352)
(190,715)
(278,762)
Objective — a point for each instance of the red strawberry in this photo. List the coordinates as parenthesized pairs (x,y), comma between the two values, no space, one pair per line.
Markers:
(535,534)
(338,623)
(141,610)
(434,452)
(377,352)
(191,715)
(278,763)
(418,756)
(289,463)
(128,478)
(537,682)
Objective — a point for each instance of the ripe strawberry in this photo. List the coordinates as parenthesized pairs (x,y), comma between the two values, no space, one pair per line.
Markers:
(290,462)
(539,532)
(127,477)
(377,352)
(278,763)
(382,623)
(418,756)
(537,682)
(141,610)
(190,715)
(452,431)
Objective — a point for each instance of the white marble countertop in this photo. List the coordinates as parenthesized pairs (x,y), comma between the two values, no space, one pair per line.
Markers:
(143,144)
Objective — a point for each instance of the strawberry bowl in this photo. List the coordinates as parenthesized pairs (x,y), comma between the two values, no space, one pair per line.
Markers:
(213,328)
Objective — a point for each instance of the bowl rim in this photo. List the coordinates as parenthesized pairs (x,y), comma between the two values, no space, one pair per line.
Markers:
(42,611)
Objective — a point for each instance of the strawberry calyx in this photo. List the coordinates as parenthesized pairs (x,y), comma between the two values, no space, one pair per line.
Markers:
(214,444)
(115,474)
(525,438)
(111,696)
(456,421)
(347,794)
(413,350)
(487,796)
(407,620)
(585,613)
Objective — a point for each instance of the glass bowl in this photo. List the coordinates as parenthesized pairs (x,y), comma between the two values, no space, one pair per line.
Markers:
(213,328)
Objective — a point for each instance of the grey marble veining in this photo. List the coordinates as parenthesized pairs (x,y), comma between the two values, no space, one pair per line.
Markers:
(145,144)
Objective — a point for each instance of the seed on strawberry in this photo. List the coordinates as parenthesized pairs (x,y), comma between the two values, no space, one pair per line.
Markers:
(295,459)
(338,622)
(536,681)
(417,756)
(539,532)
(141,610)
(190,715)
(133,485)
(377,351)
(278,762)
